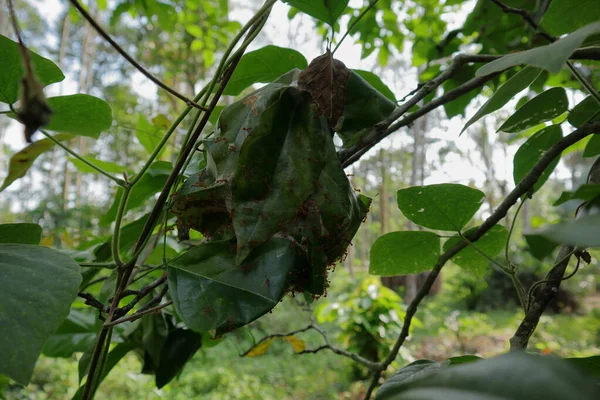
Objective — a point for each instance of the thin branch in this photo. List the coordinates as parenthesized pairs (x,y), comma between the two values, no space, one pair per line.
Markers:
(139,295)
(276,335)
(372,365)
(139,314)
(522,188)
(133,62)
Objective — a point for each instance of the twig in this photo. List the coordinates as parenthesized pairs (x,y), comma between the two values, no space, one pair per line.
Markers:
(362,14)
(90,300)
(522,188)
(372,365)
(276,335)
(139,295)
(139,314)
(137,65)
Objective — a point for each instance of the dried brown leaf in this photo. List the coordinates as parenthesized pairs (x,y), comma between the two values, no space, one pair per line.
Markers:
(325,79)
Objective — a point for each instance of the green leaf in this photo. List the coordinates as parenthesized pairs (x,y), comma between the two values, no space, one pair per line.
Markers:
(584,232)
(517,83)
(245,292)
(412,372)
(12,70)
(585,192)
(23,160)
(263,65)
(551,57)
(148,135)
(79,114)
(375,81)
(38,286)
(544,107)
(107,166)
(564,16)
(592,148)
(20,233)
(364,106)
(491,243)
(532,150)
(589,364)
(446,206)
(403,253)
(327,11)
(487,380)
(179,348)
(76,334)
(584,111)
(539,246)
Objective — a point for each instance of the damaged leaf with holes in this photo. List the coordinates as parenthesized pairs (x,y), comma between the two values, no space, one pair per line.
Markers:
(274,203)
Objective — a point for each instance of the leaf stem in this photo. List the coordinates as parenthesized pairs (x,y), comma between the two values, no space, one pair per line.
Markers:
(362,14)
(510,232)
(118,181)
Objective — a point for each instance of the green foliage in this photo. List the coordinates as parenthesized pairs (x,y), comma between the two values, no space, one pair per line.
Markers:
(532,150)
(38,286)
(79,114)
(564,16)
(327,11)
(544,107)
(21,161)
(551,57)
(13,70)
(263,65)
(368,317)
(476,257)
(20,233)
(179,348)
(583,112)
(471,380)
(445,206)
(365,103)
(403,253)
(246,292)
(517,83)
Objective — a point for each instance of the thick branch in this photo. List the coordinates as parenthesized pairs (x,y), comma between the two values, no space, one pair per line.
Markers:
(537,307)
(521,189)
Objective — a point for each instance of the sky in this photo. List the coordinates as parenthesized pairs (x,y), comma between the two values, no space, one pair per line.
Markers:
(280,31)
